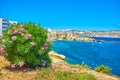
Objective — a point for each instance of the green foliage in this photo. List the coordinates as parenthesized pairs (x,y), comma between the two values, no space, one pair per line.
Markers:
(48,74)
(26,44)
(64,38)
(0,73)
(103,69)
(0,41)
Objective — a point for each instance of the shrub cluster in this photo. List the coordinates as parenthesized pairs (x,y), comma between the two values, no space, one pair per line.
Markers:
(103,69)
(26,45)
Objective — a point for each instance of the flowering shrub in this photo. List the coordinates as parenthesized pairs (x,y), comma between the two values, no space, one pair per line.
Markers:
(26,45)
(1,49)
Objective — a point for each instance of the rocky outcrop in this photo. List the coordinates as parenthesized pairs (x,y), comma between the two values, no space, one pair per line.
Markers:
(53,54)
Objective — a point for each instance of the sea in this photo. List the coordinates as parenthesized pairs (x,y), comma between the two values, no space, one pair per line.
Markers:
(107,39)
(91,53)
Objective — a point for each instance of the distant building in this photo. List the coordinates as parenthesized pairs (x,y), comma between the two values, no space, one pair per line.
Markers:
(4,24)
(13,22)
(49,30)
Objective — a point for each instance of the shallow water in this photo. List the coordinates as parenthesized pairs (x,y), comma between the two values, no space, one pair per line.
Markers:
(91,53)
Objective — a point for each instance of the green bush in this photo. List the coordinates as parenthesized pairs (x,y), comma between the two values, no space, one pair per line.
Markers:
(103,69)
(26,45)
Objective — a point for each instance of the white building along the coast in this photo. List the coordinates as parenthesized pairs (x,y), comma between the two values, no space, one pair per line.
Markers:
(4,24)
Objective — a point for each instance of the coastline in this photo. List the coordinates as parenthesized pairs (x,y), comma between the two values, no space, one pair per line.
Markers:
(80,35)
(87,39)
(60,61)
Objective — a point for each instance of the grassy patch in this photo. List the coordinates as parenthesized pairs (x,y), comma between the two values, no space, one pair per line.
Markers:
(48,74)
(80,66)
(85,66)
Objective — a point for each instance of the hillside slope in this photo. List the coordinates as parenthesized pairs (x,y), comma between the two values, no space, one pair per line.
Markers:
(60,65)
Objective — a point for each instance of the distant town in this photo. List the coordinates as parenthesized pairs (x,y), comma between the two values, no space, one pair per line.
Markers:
(66,34)
(81,35)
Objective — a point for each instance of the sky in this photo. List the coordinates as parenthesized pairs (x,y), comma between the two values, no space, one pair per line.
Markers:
(64,14)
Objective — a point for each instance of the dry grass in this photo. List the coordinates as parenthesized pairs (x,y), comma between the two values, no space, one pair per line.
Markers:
(62,66)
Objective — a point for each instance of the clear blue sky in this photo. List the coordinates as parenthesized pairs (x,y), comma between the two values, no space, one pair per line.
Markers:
(64,14)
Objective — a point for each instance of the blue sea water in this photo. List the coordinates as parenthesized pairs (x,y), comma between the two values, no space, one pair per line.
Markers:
(107,39)
(91,53)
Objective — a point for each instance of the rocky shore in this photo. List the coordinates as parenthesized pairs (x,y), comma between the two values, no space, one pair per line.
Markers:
(59,61)
(53,36)
(70,37)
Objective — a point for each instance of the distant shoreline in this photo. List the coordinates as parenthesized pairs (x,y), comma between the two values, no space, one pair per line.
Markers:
(105,37)
(81,35)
